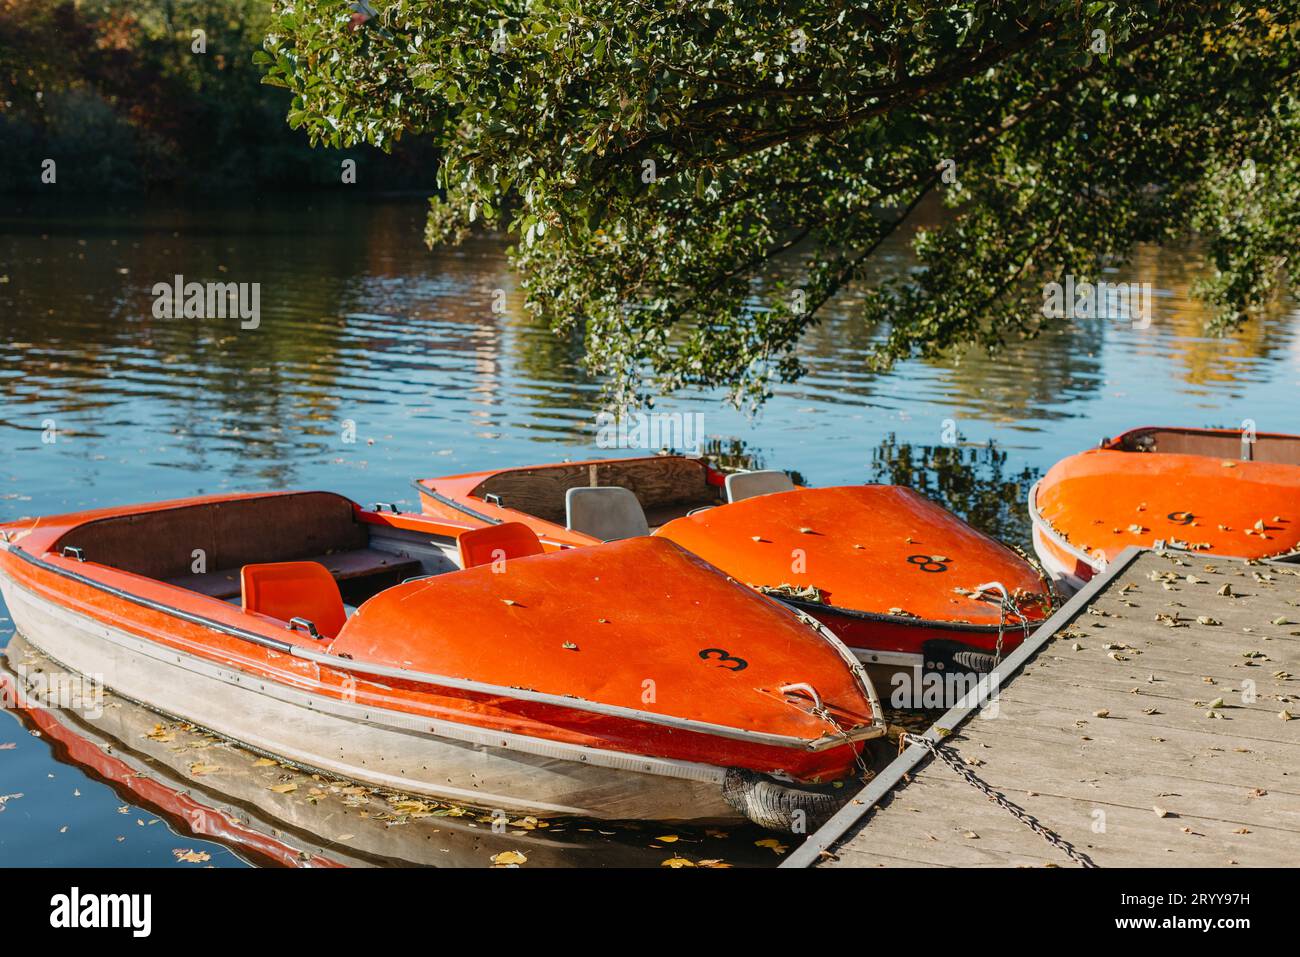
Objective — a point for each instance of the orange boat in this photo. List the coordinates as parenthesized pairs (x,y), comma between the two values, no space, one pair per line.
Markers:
(633,683)
(905,584)
(1216,491)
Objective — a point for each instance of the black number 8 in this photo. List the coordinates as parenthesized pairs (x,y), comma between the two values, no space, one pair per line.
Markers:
(927,564)
(721,655)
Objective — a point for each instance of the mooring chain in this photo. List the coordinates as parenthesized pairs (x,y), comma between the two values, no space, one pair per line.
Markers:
(950,758)
(825,714)
(1006,606)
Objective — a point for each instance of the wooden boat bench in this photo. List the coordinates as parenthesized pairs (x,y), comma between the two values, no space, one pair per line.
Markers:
(303,526)
(344,566)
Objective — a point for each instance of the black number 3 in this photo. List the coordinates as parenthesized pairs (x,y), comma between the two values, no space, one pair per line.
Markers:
(722,656)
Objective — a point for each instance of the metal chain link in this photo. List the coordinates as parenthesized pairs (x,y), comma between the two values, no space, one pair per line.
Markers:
(950,758)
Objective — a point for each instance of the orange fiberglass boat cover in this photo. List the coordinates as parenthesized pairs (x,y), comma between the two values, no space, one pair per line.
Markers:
(882,549)
(639,624)
(1103,500)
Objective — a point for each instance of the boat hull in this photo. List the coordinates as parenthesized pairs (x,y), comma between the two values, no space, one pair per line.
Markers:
(1207,491)
(365,744)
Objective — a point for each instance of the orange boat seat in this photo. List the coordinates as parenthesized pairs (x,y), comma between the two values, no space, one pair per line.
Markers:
(606,512)
(288,590)
(743,485)
(482,546)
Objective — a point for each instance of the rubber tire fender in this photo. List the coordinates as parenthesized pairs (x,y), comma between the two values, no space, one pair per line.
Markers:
(778,806)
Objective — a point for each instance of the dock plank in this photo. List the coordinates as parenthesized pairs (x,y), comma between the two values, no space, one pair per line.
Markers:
(1113,736)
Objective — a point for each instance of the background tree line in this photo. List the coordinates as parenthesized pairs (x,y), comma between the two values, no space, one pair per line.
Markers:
(116,94)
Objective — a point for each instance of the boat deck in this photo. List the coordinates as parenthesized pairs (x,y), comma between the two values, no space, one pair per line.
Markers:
(1146,724)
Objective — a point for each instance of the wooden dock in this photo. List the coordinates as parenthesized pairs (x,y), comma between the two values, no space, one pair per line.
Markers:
(1147,724)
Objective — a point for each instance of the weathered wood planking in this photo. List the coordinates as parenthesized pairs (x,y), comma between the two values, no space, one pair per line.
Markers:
(1143,743)
(659,482)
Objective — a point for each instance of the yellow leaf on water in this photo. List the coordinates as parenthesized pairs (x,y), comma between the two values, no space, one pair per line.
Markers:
(770,842)
(677,862)
(668,838)
(509,859)
(191,856)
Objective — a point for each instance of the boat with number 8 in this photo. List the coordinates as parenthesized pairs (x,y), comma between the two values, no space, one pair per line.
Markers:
(907,585)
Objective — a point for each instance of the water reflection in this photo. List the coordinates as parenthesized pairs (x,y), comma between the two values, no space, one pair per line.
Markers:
(270,813)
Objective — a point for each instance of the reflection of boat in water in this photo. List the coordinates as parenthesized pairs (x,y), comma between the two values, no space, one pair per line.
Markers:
(276,813)
(631,682)
(902,582)
(1217,491)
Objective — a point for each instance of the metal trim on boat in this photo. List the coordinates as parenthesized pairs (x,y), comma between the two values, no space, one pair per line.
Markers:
(384,717)
(451,502)
(874,730)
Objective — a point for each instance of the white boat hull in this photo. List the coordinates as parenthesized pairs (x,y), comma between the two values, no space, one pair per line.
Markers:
(399,751)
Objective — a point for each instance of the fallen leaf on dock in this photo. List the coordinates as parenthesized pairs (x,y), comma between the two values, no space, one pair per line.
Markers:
(264,763)
(509,859)
(201,769)
(283,788)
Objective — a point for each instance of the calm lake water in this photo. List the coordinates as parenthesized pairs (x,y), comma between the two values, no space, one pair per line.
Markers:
(361,324)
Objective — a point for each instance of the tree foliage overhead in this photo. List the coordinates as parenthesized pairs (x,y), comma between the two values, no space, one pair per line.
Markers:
(656,162)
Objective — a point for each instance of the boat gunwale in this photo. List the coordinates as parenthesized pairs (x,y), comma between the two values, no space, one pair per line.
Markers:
(1040,522)
(826,741)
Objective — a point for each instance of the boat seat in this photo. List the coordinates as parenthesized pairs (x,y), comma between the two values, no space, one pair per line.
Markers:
(288,590)
(482,546)
(344,566)
(606,512)
(743,485)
